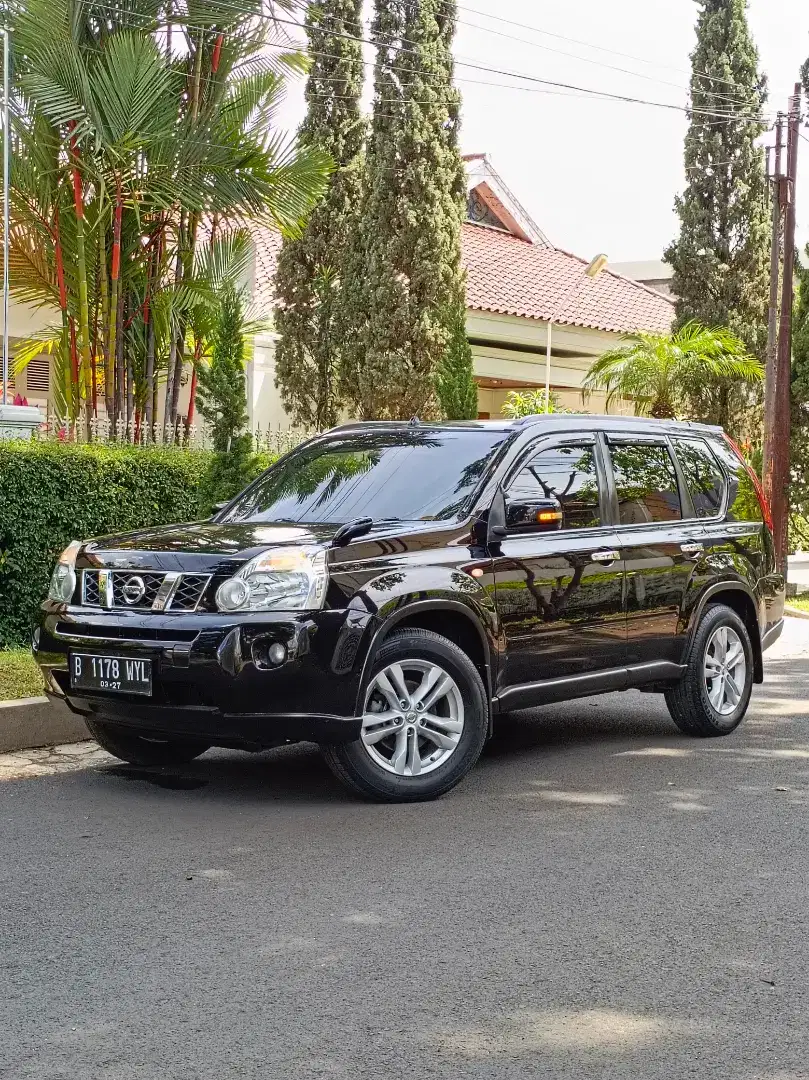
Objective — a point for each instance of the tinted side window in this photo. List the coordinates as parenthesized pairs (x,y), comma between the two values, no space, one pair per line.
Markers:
(743,504)
(705,480)
(566,474)
(646,483)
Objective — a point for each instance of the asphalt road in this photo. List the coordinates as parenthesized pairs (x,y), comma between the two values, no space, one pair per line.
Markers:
(601,898)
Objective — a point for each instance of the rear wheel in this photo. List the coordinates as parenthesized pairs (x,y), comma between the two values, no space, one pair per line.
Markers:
(712,697)
(144,748)
(424,723)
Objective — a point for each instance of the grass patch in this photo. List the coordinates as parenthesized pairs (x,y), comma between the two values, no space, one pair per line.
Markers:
(19,675)
(800,602)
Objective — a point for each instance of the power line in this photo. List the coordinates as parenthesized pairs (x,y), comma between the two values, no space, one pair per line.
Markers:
(598,48)
(466,64)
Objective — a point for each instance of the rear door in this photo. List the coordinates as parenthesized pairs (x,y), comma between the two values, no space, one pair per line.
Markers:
(660,543)
(559,587)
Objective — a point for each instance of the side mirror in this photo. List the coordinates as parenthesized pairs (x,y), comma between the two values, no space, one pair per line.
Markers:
(219,506)
(533,515)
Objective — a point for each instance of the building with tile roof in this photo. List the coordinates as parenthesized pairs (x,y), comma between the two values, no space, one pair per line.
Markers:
(518,284)
(520,287)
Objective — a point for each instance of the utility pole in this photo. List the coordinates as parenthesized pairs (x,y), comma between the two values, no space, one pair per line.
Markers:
(776,449)
(775,177)
(6,197)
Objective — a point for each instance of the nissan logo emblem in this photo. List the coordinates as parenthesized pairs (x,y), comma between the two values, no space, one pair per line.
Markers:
(133,590)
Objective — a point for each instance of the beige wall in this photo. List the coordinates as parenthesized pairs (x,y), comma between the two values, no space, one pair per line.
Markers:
(573,350)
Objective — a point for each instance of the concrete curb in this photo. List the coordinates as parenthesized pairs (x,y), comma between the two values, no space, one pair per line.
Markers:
(31,722)
(795,613)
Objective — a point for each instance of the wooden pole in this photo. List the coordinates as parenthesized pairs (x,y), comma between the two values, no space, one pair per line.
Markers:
(775,291)
(780,451)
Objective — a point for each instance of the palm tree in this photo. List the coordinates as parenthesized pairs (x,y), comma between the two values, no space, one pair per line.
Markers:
(136,127)
(656,371)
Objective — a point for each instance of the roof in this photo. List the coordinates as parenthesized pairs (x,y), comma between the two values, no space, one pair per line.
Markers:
(553,421)
(646,270)
(267,246)
(511,276)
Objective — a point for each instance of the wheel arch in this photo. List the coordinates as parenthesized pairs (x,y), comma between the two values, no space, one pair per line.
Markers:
(739,598)
(450,618)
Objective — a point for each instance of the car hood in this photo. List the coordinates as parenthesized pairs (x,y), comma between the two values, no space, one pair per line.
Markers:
(201,546)
(211,547)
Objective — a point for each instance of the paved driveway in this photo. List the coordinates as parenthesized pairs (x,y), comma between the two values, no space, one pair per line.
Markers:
(602,898)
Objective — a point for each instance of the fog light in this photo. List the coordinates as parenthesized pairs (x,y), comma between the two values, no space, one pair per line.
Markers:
(277,653)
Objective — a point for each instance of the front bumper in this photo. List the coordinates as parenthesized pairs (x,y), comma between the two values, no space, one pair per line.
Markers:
(212,678)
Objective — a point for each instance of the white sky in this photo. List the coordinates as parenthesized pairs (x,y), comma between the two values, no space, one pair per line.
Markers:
(599,175)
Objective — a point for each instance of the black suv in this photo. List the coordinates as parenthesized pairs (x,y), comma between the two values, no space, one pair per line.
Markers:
(387,589)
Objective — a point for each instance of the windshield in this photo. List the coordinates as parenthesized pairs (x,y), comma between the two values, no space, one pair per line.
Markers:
(400,475)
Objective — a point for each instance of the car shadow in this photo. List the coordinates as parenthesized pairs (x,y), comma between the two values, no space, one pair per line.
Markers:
(621,723)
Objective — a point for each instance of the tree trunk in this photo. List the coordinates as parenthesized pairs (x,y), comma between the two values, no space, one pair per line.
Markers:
(81,267)
(662,410)
(68,338)
(115,273)
(107,343)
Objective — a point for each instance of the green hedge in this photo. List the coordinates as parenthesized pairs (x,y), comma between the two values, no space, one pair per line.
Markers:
(52,493)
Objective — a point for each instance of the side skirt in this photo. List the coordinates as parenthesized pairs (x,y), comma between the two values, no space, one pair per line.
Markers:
(546,691)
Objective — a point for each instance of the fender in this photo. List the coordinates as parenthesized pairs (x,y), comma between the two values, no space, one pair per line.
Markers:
(433,590)
(691,622)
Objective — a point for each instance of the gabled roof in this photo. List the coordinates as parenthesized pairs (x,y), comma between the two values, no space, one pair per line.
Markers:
(513,269)
(511,276)
(491,190)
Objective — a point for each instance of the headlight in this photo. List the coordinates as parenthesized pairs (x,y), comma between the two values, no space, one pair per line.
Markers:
(63,581)
(286,579)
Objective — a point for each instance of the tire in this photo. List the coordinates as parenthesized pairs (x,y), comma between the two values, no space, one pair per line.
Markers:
(689,702)
(145,748)
(380,765)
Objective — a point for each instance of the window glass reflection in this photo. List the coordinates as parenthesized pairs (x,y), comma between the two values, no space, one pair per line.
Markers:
(566,475)
(400,475)
(704,478)
(646,483)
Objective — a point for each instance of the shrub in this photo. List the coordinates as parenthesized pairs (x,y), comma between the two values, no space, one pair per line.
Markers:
(53,493)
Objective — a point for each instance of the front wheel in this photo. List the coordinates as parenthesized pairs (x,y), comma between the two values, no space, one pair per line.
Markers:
(145,748)
(712,697)
(424,723)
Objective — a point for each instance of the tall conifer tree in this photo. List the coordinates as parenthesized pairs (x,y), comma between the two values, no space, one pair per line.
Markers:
(721,257)
(310,272)
(404,291)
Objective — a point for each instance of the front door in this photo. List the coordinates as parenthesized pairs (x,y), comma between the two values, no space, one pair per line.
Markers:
(558,583)
(660,547)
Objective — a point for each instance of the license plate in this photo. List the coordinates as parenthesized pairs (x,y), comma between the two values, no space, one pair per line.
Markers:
(118,674)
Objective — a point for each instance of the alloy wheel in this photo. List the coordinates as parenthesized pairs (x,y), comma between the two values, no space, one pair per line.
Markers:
(413,718)
(725,669)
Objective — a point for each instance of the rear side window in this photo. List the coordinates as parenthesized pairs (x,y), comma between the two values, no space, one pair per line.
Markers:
(743,504)
(567,475)
(645,482)
(703,477)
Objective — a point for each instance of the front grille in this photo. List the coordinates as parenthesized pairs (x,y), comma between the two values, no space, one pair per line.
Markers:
(189,592)
(91,594)
(146,584)
(142,590)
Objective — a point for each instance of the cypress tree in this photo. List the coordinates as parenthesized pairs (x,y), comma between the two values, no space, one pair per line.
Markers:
(309,274)
(721,257)
(405,289)
(222,399)
(455,385)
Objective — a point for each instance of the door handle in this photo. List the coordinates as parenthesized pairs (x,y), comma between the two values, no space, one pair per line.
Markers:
(605,556)
(692,547)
